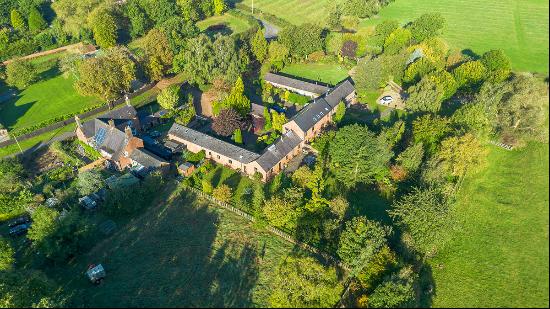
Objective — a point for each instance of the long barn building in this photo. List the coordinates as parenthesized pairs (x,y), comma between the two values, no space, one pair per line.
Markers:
(299,130)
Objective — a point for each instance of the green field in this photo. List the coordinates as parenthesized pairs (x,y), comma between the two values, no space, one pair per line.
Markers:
(236,24)
(322,72)
(180,253)
(52,96)
(499,257)
(293,11)
(519,27)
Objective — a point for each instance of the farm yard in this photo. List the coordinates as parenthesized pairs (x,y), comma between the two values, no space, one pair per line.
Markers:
(501,250)
(179,252)
(520,28)
(52,96)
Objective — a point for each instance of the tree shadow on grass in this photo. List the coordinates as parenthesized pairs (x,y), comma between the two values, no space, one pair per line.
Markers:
(10,112)
(168,257)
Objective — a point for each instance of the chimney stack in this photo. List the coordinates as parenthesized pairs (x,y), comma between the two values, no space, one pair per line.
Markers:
(111,123)
(128,132)
(77,120)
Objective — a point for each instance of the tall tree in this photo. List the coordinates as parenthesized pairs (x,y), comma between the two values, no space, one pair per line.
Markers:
(258,44)
(302,40)
(429,130)
(459,154)
(470,74)
(169,97)
(227,121)
(107,77)
(498,65)
(426,96)
(158,54)
(334,19)
(219,6)
(357,155)
(21,73)
(190,9)
(36,20)
(104,26)
(427,26)
(397,40)
(73,15)
(426,216)
(139,21)
(360,242)
(303,282)
(17,21)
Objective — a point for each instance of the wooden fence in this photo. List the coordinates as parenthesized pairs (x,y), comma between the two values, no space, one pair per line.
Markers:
(271,229)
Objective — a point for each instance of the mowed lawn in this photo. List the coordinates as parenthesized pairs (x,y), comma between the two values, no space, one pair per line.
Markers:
(499,257)
(293,11)
(53,96)
(519,27)
(236,24)
(323,72)
(181,253)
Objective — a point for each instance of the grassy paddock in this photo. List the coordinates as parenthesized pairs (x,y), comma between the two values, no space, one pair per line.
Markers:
(293,11)
(499,257)
(519,27)
(52,96)
(322,72)
(236,24)
(179,253)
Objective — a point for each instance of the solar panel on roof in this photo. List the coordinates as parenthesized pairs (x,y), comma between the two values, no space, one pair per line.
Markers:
(100,136)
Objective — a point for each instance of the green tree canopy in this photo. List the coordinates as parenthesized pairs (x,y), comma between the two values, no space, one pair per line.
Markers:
(470,74)
(21,73)
(302,282)
(302,40)
(169,98)
(357,155)
(104,26)
(498,65)
(17,20)
(426,216)
(107,77)
(426,96)
(36,20)
(459,154)
(397,40)
(360,241)
(258,44)
(89,182)
(427,26)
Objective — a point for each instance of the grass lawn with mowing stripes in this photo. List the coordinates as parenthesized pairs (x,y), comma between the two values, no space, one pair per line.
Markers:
(321,72)
(51,97)
(519,27)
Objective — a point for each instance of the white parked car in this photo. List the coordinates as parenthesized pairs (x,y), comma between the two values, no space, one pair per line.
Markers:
(386,100)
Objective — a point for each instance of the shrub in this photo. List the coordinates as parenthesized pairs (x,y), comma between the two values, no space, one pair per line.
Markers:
(21,74)
(223,193)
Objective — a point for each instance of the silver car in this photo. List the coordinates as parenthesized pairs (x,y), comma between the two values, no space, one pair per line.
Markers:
(385,100)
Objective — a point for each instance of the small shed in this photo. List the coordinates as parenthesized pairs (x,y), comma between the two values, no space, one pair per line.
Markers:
(96,273)
(87,202)
(186,169)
